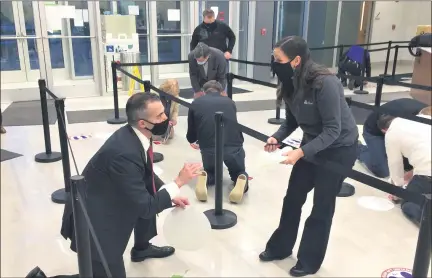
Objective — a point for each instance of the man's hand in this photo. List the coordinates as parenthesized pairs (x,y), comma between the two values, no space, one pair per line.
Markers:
(408,176)
(292,156)
(272,145)
(227,55)
(187,173)
(181,202)
(195,146)
(173,122)
(198,94)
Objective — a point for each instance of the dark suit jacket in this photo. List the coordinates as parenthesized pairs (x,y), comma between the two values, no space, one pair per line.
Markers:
(118,192)
(217,70)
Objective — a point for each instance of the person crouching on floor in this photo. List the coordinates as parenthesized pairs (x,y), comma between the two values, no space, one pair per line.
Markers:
(405,138)
(171,87)
(201,128)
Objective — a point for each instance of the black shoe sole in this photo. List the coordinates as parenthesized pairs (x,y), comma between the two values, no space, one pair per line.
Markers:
(140,259)
(276,258)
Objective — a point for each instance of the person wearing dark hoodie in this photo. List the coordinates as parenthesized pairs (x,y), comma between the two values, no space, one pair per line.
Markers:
(315,102)
(214,33)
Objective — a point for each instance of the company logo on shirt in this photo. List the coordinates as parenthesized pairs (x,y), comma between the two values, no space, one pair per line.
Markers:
(308,102)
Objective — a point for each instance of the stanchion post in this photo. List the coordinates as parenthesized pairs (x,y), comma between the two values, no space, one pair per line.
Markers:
(395,58)
(48,156)
(229,77)
(378,94)
(387,57)
(60,196)
(423,250)
(82,232)
(363,71)
(117,119)
(218,217)
(157,157)
(277,120)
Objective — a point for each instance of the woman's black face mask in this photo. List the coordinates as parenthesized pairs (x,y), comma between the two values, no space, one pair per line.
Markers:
(158,128)
(284,72)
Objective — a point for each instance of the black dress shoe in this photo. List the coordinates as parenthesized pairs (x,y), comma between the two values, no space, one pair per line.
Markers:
(298,271)
(36,273)
(151,252)
(267,256)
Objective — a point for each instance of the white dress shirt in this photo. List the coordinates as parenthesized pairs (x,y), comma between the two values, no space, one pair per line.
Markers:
(411,140)
(172,188)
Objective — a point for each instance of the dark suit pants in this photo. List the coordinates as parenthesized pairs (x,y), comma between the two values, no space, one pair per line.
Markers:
(421,185)
(234,159)
(306,176)
(144,231)
(348,67)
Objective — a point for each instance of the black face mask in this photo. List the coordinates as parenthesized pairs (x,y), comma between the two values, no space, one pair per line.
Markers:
(158,128)
(284,72)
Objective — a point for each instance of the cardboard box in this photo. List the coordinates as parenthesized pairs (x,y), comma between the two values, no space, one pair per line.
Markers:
(422,29)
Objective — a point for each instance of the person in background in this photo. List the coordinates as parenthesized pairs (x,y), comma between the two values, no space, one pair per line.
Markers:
(201,127)
(351,63)
(205,64)
(373,155)
(413,141)
(123,195)
(315,102)
(171,87)
(2,130)
(214,33)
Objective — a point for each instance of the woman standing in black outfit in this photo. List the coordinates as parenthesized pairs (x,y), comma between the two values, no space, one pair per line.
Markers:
(315,102)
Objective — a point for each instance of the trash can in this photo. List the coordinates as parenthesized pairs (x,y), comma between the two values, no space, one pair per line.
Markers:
(130,57)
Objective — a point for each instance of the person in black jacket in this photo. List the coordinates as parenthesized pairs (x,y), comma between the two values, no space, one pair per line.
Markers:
(201,128)
(205,64)
(214,33)
(123,194)
(373,154)
(315,102)
(351,63)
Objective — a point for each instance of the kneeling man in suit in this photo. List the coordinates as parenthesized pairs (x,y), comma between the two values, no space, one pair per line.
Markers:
(123,194)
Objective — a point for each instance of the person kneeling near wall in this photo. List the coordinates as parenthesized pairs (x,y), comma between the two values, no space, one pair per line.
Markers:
(201,127)
(171,87)
(413,141)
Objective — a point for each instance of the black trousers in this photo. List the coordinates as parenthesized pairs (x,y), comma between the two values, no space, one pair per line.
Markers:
(306,176)
(421,185)
(349,67)
(144,231)
(234,159)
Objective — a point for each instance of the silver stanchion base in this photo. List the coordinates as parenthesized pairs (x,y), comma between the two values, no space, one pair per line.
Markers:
(59,196)
(275,121)
(118,121)
(48,158)
(157,157)
(226,220)
(361,92)
(347,190)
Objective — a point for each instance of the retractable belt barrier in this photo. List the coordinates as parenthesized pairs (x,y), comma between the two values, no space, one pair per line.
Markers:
(358,176)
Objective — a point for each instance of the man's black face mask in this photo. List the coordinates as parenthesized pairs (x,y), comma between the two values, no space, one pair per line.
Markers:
(158,128)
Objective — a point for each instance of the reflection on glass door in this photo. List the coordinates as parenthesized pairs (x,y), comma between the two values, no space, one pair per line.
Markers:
(290,16)
(19,56)
(68,34)
(171,23)
(243,37)
(322,30)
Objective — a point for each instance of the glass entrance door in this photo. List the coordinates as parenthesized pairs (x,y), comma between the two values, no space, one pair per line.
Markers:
(20,40)
(67,33)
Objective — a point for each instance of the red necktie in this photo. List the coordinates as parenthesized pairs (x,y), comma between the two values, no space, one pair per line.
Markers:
(150,152)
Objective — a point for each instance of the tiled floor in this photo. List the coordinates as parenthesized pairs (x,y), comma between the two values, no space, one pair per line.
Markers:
(363,242)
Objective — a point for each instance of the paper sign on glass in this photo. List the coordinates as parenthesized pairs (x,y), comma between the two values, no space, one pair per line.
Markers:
(216,11)
(133,10)
(173,15)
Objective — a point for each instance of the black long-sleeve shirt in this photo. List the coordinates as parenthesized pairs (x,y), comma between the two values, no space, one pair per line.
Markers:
(323,115)
(214,35)
(201,121)
(405,105)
